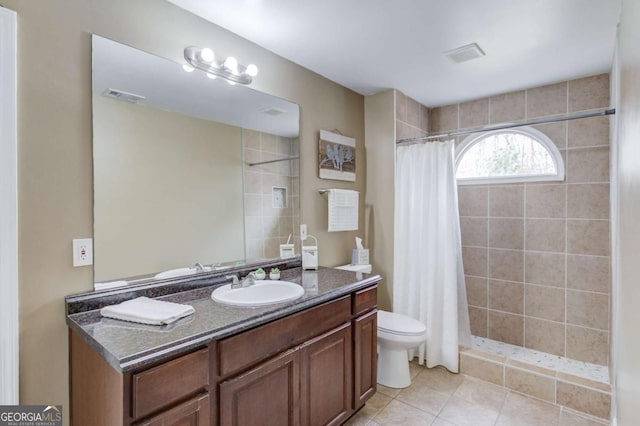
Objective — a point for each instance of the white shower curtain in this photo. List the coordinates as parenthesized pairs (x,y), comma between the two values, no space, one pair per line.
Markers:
(428,279)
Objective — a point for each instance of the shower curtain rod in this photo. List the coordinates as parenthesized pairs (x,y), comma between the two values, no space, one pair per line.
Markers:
(565,117)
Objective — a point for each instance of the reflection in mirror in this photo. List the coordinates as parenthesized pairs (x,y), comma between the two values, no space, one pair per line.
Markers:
(173,184)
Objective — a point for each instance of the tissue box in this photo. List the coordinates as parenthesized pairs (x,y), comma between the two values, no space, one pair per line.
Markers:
(360,257)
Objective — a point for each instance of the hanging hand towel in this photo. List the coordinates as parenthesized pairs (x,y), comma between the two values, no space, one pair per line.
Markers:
(343,210)
(147,311)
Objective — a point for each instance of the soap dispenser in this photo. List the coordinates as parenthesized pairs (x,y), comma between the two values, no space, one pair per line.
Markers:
(310,254)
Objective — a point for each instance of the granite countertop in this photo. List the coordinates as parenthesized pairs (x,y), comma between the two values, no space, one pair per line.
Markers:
(127,346)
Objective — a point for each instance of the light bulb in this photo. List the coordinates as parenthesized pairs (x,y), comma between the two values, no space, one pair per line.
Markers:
(233,83)
(231,63)
(211,76)
(206,54)
(187,68)
(252,70)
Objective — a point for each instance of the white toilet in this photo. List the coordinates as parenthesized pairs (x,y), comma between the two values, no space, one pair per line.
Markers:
(396,334)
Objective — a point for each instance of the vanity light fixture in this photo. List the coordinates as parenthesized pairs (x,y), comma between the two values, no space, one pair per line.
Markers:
(205,60)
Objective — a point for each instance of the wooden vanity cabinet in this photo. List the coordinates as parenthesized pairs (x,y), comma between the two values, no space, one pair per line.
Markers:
(314,367)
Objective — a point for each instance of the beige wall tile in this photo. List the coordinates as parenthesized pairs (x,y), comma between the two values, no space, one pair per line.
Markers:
(506,265)
(413,112)
(545,201)
(255,249)
(547,100)
(591,273)
(250,139)
(589,93)
(484,355)
(588,201)
(593,131)
(253,205)
(508,328)
(544,302)
(545,235)
(581,381)
(542,387)
(253,227)
(444,118)
(475,261)
(588,309)
(268,142)
(506,108)
(588,237)
(252,156)
(506,200)
(588,165)
(586,344)
(506,233)
(489,371)
(252,182)
(545,269)
(401,106)
(283,146)
(424,118)
(545,336)
(570,417)
(478,321)
(474,231)
(473,200)
(583,399)
(531,368)
(506,296)
(404,131)
(557,132)
(476,291)
(474,113)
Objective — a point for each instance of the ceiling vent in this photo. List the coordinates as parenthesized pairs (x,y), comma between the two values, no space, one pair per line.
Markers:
(465,53)
(123,96)
(273,111)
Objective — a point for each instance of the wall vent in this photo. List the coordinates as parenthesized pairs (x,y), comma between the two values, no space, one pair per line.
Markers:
(464,53)
(273,111)
(122,95)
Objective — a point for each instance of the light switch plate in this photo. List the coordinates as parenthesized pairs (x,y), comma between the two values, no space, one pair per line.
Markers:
(82,252)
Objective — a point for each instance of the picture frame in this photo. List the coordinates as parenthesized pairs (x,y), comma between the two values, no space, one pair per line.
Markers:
(336,156)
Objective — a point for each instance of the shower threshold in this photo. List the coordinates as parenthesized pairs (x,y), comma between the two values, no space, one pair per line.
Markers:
(570,383)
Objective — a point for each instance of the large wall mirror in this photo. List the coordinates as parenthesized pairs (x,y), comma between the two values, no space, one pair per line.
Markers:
(175,182)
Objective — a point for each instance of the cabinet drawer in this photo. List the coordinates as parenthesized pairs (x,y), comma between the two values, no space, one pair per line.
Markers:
(241,351)
(172,381)
(365,300)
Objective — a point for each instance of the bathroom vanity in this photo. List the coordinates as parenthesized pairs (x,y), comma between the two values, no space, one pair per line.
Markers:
(307,362)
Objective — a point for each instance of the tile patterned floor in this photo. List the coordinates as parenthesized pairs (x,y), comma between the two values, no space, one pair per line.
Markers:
(439,398)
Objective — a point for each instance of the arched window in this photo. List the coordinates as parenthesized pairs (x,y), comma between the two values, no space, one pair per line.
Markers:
(503,156)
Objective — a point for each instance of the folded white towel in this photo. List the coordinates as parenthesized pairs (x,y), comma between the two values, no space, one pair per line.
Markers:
(147,311)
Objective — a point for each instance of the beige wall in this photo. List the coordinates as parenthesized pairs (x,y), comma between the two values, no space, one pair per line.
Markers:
(267,226)
(55,151)
(412,118)
(627,344)
(381,154)
(536,255)
(159,179)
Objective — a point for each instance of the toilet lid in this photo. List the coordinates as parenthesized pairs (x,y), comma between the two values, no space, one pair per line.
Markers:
(399,324)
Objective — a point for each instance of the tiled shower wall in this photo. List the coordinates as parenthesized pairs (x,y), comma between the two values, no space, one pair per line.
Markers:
(537,255)
(266,227)
(412,118)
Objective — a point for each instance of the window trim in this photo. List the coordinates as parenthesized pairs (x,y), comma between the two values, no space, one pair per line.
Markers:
(535,134)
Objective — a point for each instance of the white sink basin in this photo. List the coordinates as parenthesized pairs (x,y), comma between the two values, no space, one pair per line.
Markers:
(263,292)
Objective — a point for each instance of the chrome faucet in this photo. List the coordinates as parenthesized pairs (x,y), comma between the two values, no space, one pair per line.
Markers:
(199,267)
(247,281)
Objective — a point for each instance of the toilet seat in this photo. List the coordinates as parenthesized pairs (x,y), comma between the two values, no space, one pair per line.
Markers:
(402,325)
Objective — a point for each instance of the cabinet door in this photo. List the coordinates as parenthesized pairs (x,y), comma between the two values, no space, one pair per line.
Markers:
(326,378)
(267,395)
(194,412)
(365,356)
